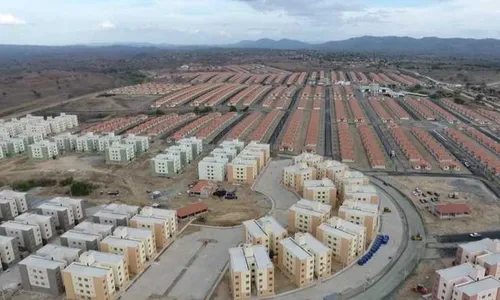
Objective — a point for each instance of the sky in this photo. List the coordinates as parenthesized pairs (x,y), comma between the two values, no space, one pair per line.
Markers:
(192,22)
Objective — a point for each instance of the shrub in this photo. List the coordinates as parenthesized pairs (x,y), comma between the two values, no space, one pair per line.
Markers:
(66,182)
(79,188)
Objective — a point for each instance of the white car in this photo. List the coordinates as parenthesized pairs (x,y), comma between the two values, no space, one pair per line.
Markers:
(475,234)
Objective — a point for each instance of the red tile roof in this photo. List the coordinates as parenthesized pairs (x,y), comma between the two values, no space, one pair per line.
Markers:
(190,209)
(452,208)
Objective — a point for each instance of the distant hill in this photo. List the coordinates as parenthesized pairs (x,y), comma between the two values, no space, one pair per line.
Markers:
(389,44)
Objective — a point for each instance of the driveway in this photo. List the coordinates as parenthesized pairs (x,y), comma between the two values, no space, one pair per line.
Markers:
(188,269)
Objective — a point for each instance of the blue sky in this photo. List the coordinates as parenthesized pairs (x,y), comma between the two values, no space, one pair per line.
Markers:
(62,22)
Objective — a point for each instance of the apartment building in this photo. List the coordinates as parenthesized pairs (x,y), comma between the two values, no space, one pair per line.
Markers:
(265,148)
(28,237)
(295,175)
(66,142)
(230,152)
(87,142)
(254,154)
(19,198)
(360,213)
(468,252)
(195,144)
(133,249)
(41,274)
(307,215)
(162,221)
(446,280)
(61,253)
(118,153)
(362,193)
(165,165)
(147,236)
(243,169)
(88,282)
(103,142)
(251,268)
(9,251)
(8,209)
(236,144)
(323,191)
(75,204)
(491,262)
(115,214)
(30,138)
(116,262)
(182,152)
(296,262)
(12,146)
(94,228)
(312,160)
(2,155)
(129,210)
(140,143)
(351,178)
(265,231)
(212,168)
(81,240)
(346,239)
(47,224)
(64,218)
(487,288)
(322,254)
(43,150)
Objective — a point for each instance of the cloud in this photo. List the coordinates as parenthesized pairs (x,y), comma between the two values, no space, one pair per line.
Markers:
(107,25)
(305,8)
(8,19)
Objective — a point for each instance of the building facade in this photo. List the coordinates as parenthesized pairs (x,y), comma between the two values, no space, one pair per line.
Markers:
(295,175)
(323,191)
(47,224)
(360,213)
(307,215)
(28,236)
(133,249)
(40,274)
(296,262)
(88,282)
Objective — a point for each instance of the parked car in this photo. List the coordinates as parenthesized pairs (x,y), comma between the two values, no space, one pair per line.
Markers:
(475,235)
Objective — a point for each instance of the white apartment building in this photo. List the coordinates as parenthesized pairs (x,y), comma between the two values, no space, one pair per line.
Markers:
(43,150)
(87,142)
(146,235)
(140,143)
(81,239)
(47,224)
(295,175)
(166,165)
(312,160)
(347,240)
(66,142)
(94,228)
(296,262)
(307,215)
(212,168)
(12,146)
(323,190)
(9,252)
(236,144)
(30,138)
(162,221)
(74,203)
(361,213)
(322,254)
(105,141)
(2,155)
(487,288)
(265,231)
(228,152)
(195,144)
(119,153)
(28,236)
(184,152)
(12,204)
(116,262)
(362,193)
(250,266)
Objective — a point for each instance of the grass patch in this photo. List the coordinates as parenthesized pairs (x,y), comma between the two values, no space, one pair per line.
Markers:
(27,185)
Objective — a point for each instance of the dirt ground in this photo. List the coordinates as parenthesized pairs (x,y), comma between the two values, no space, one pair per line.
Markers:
(27,91)
(113,103)
(484,204)
(133,181)
(423,274)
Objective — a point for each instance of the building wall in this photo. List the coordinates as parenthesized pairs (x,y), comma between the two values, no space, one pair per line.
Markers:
(46,281)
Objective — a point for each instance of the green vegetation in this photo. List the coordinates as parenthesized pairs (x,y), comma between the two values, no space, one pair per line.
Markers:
(66,182)
(415,89)
(79,188)
(27,185)
(202,110)
(458,100)
(232,108)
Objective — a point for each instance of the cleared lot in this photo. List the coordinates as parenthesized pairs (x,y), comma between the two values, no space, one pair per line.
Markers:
(188,269)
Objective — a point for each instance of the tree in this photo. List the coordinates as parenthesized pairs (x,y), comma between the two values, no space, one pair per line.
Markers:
(458,100)
(232,108)
(479,97)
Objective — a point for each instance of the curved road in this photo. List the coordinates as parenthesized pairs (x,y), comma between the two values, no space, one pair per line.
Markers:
(378,278)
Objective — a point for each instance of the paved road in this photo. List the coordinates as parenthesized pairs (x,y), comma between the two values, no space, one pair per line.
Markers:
(357,277)
(269,183)
(465,237)
(187,270)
